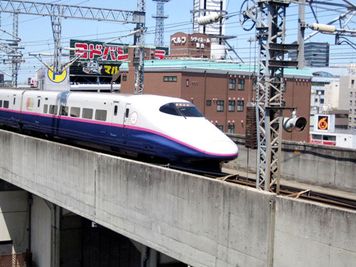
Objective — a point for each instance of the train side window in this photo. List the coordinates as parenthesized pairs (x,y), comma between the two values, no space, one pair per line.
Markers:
(87,113)
(6,104)
(127,113)
(115,110)
(0,103)
(64,111)
(53,109)
(100,115)
(14,101)
(75,112)
(38,103)
(45,108)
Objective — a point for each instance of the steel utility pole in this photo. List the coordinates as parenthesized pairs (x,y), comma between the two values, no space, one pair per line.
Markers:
(301,33)
(16,58)
(160,17)
(139,50)
(57,11)
(269,16)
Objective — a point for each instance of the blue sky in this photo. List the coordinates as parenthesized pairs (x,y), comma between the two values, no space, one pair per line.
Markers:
(36,32)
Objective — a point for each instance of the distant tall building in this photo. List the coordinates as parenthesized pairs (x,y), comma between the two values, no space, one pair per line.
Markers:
(348,89)
(205,8)
(315,54)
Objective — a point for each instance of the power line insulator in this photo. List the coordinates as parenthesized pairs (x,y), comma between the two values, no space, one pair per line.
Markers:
(209,19)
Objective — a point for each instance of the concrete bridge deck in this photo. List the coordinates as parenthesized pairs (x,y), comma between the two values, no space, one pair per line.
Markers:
(199,221)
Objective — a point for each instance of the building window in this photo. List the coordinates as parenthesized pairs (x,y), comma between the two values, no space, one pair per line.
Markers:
(231,128)
(124,77)
(170,78)
(322,101)
(232,104)
(352,83)
(351,94)
(232,83)
(208,103)
(240,105)
(220,105)
(241,85)
(220,127)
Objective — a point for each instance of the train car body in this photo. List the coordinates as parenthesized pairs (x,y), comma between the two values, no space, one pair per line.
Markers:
(167,128)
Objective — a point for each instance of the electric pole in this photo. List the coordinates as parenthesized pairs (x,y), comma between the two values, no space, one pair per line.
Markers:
(139,50)
(270,20)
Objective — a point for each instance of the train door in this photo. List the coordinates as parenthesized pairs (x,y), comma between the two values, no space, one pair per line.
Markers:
(116,121)
(126,120)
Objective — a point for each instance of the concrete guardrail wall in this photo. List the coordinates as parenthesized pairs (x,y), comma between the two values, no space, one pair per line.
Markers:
(308,163)
(199,221)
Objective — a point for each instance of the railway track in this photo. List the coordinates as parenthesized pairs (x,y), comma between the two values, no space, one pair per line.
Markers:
(295,192)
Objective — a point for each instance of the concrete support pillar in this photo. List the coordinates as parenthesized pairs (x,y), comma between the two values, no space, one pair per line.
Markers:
(149,257)
(55,234)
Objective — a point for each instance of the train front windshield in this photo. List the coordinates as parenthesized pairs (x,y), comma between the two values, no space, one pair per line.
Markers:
(181,109)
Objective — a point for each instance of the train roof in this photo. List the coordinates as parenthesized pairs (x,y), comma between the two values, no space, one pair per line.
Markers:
(139,99)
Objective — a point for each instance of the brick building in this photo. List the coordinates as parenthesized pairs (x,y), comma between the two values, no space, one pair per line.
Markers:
(190,45)
(220,90)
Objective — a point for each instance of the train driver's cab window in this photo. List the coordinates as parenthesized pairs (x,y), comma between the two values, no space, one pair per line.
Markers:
(181,109)
(87,113)
(45,108)
(53,109)
(6,104)
(75,112)
(100,115)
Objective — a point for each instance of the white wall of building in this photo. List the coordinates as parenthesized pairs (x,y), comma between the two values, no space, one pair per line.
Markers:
(217,50)
(332,95)
(348,93)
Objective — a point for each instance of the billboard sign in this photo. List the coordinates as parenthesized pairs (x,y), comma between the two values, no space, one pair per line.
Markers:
(100,60)
(96,60)
(324,123)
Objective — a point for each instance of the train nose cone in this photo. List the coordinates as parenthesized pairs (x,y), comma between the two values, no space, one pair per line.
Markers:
(222,148)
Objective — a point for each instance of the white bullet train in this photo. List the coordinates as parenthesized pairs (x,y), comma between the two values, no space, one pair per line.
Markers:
(166,128)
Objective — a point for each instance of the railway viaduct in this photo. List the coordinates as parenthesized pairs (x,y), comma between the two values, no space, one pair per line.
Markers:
(199,221)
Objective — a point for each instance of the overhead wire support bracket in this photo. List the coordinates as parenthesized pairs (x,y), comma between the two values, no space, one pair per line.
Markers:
(71,11)
(59,11)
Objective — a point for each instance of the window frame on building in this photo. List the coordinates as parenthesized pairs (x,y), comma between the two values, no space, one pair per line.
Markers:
(231,105)
(241,84)
(219,126)
(239,107)
(231,128)
(232,83)
(220,105)
(170,78)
